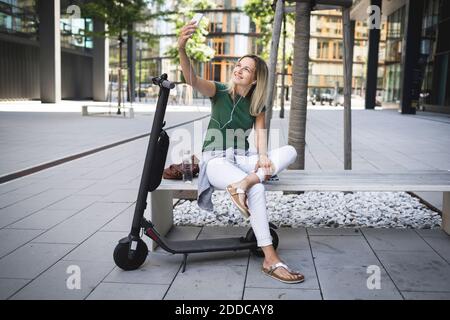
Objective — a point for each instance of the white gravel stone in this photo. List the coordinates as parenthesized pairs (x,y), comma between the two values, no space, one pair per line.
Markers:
(318,209)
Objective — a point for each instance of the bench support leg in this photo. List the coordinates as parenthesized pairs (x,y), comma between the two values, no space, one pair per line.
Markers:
(162,212)
(446,213)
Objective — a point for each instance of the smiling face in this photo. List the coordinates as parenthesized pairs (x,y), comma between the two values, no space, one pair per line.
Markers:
(244,73)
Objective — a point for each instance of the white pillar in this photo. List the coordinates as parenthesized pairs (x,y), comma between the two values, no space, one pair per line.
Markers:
(100,65)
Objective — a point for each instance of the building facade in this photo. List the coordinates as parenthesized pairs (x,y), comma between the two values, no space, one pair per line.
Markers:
(46,55)
(326,54)
(417,52)
(231,34)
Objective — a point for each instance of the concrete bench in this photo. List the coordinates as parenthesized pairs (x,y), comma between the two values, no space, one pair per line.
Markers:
(299,180)
(110,109)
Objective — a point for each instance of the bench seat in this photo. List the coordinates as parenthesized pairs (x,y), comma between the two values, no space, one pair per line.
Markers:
(300,180)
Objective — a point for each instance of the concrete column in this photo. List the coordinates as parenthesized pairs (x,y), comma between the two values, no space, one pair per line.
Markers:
(372,63)
(50,50)
(410,56)
(100,65)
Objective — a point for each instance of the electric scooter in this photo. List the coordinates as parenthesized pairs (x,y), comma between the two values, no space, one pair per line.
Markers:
(131,252)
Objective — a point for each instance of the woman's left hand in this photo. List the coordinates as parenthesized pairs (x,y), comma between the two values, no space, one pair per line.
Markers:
(266,164)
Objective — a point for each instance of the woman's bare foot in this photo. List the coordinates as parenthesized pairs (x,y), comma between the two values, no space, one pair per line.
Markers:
(246,183)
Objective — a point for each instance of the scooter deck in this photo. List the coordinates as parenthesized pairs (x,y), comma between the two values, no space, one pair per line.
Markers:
(206,245)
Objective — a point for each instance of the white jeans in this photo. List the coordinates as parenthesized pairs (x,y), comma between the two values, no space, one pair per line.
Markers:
(221,173)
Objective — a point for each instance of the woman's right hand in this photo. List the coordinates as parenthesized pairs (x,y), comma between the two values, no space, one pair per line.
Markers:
(186,33)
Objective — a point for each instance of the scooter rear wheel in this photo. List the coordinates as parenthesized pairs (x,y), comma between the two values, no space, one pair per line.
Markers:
(258,251)
(122,259)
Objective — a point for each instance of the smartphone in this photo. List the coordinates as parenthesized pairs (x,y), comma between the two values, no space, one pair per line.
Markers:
(197,18)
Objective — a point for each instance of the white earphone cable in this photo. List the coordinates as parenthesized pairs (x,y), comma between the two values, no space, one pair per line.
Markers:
(223,90)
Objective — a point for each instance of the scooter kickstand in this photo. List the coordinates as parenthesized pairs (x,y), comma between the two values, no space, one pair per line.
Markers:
(184,262)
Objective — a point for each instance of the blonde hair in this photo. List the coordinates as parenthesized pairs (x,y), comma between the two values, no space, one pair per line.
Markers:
(259,94)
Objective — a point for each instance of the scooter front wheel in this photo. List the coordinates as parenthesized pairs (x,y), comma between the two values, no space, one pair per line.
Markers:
(258,251)
(122,258)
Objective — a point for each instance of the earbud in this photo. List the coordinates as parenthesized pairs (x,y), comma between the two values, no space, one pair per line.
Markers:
(254,82)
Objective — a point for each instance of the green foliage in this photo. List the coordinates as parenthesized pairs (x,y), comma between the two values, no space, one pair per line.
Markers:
(196,48)
(262,13)
(118,15)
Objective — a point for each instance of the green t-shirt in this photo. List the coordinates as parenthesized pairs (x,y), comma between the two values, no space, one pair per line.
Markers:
(226,130)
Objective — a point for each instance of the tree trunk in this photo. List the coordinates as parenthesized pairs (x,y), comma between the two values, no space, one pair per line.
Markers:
(297,116)
(273,62)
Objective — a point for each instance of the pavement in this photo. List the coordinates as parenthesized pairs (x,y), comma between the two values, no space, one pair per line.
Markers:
(65,220)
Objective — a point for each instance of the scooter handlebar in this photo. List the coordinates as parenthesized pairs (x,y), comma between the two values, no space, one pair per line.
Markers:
(163,82)
(167,84)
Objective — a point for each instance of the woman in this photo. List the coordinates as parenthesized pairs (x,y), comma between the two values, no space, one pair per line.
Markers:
(226,161)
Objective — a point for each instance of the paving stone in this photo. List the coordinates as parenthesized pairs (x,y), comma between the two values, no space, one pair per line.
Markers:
(74,202)
(14,213)
(417,271)
(53,283)
(292,239)
(395,239)
(432,233)
(10,286)
(203,285)
(85,223)
(30,260)
(159,268)
(281,294)
(32,188)
(122,222)
(98,189)
(441,245)
(122,195)
(11,198)
(11,239)
(426,295)
(64,181)
(350,283)
(15,185)
(300,260)
(99,247)
(334,232)
(33,204)
(43,219)
(128,291)
(342,251)
(69,171)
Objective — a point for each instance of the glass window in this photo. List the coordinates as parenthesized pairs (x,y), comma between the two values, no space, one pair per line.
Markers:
(73,33)
(19,17)
(395,25)
(322,49)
